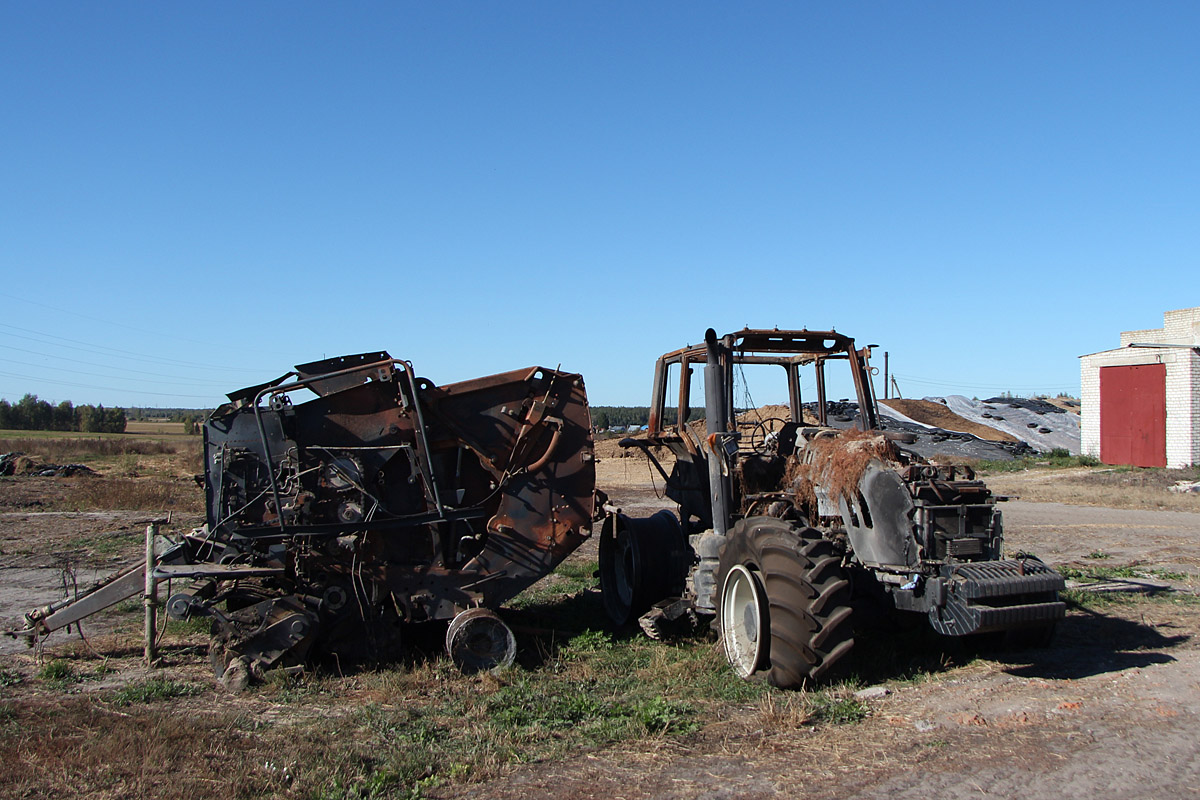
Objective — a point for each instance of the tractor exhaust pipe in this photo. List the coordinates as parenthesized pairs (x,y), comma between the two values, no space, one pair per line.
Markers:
(716,426)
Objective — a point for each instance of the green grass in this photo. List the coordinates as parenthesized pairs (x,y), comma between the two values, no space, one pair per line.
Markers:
(1058,458)
(835,709)
(590,689)
(576,688)
(1100,573)
(1168,575)
(153,690)
(1081,598)
(58,673)
(401,731)
(568,580)
(130,605)
(9,677)
(105,544)
(431,724)
(1103,573)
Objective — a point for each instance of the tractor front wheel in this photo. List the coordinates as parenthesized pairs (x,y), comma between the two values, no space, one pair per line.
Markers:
(784,603)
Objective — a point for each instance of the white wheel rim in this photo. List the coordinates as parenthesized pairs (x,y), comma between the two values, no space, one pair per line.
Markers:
(742,615)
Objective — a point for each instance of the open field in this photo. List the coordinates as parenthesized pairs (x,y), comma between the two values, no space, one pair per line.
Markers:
(156,428)
(8,434)
(589,712)
(1112,487)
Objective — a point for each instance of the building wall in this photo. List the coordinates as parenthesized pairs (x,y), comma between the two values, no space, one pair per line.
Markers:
(1183,411)
(1182,383)
(1089,403)
(1179,327)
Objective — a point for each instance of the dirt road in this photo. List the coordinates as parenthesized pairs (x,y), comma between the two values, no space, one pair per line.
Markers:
(1167,540)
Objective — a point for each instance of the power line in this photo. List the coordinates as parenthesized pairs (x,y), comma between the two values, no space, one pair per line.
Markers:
(99,350)
(960,384)
(123,371)
(106,388)
(103,321)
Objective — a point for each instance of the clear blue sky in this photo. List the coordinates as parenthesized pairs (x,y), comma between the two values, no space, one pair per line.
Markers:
(196,196)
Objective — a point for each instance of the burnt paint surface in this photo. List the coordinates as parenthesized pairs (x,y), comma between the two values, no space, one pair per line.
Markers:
(387,496)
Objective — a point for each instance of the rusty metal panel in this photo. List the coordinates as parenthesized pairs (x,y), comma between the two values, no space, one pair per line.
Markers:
(1133,415)
(350,497)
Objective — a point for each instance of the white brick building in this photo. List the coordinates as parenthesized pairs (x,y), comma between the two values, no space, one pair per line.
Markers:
(1141,402)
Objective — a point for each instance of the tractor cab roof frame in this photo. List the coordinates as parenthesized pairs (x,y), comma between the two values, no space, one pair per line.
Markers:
(789,349)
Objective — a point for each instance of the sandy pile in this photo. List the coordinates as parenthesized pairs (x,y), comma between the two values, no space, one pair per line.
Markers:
(929,412)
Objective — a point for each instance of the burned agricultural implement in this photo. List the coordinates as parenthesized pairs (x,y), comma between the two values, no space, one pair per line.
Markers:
(335,521)
(779,517)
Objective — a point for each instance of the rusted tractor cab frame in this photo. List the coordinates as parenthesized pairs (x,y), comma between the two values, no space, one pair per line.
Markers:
(789,350)
(776,516)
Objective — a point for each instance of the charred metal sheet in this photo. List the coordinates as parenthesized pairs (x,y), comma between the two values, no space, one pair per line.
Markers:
(350,497)
(387,499)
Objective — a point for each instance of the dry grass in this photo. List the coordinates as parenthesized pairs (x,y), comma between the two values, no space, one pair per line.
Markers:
(838,463)
(79,747)
(130,494)
(158,428)
(115,456)
(79,447)
(384,733)
(1112,487)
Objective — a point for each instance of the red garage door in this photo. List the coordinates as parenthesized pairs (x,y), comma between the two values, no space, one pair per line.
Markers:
(1133,415)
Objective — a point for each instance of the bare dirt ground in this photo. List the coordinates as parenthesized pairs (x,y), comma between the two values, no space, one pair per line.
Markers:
(44,550)
(1108,710)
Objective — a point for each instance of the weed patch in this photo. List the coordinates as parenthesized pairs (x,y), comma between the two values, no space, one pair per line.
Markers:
(1058,458)
(58,673)
(1085,600)
(1103,573)
(153,690)
(1100,573)
(836,709)
(569,579)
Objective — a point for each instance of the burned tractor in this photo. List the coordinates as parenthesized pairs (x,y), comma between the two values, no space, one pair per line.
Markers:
(778,518)
(351,498)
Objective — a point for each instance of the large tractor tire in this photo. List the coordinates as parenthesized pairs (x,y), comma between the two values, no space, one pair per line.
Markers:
(642,561)
(783,603)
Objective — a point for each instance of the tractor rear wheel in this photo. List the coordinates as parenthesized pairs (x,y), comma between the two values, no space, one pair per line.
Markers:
(784,604)
(641,562)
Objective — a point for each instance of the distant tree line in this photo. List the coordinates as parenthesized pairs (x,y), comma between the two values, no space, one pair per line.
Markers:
(624,416)
(32,414)
(139,414)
